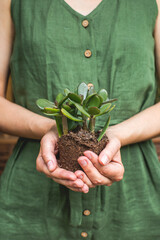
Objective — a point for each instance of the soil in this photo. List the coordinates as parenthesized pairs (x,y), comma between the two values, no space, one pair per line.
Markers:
(72,145)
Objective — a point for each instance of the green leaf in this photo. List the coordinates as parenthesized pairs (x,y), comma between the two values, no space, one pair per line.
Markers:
(104,109)
(93,111)
(74,97)
(83,90)
(111,108)
(107,111)
(87,99)
(69,102)
(101,100)
(59,97)
(51,110)
(66,91)
(81,109)
(66,107)
(104,129)
(94,102)
(72,125)
(68,115)
(62,101)
(103,93)
(42,103)
(50,114)
(110,100)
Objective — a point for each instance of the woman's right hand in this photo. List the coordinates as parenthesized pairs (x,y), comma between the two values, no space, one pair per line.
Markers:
(47,163)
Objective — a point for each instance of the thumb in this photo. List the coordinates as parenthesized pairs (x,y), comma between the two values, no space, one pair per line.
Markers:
(111,149)
(47,152)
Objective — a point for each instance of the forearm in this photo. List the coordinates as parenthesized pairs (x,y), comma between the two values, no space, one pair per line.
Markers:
(142,126)
(18,121)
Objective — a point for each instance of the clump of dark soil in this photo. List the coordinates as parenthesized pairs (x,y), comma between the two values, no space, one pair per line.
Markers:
(72,146)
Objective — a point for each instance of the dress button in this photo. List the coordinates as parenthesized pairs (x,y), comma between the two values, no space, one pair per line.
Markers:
(89,85)
(85,23)
(88,53)
(84,234)
(86,212)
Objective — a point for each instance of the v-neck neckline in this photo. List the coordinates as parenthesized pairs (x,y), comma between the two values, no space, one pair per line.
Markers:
(91,14)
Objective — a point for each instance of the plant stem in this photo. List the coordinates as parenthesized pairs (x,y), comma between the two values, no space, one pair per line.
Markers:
(104,129)
(65,125)
(59,125)
(84,122)
(92,124)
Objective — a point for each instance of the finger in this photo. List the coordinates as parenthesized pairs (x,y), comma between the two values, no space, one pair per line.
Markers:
(68,183)
(93,157)
(41,166)
(109,151)
(77,185)
(75,189)
(61,173)
(85,189)
(114,170)
(58,173)
(48,153)
(81,175)
(92,173)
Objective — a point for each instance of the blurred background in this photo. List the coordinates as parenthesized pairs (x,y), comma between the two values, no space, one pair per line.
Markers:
(8,142)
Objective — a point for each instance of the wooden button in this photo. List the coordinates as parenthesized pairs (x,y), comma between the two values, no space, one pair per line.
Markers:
(86,212)
(89,85)
(84,234)
(88,53)
(85,23)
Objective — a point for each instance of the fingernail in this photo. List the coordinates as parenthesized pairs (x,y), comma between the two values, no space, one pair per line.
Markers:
(83,163)
(50,165)
(104,160)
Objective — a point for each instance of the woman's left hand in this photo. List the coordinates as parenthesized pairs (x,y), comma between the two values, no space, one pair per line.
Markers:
(103,169)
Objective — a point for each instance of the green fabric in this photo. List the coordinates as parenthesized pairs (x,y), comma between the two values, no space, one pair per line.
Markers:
(48,56)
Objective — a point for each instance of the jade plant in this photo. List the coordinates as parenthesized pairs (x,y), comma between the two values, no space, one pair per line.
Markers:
(78,108)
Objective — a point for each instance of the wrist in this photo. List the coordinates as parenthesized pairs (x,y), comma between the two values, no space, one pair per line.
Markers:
(115,132)
(53,131)
(42,125)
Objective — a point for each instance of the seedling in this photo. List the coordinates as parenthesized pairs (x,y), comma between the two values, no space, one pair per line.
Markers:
(79,108)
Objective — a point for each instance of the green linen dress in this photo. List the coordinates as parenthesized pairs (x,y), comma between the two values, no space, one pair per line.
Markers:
(48,56)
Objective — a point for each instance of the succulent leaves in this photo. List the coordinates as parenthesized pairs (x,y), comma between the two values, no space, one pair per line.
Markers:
(83,90)
(93,111)
(103,93)
(68,115)
(75,97)
(83,105)
(42,103)
(104,129)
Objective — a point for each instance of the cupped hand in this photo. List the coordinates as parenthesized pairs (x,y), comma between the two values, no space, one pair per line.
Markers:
(105,168)
(47,163)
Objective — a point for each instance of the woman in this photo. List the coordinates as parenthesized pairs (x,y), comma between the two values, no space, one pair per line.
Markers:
(57,44)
